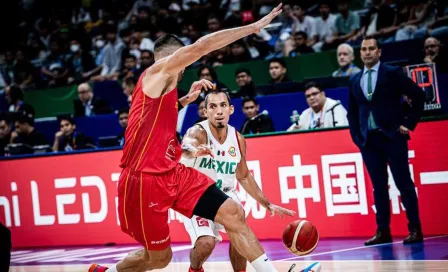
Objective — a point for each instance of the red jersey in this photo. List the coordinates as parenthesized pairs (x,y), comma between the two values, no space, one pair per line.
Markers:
(151,143)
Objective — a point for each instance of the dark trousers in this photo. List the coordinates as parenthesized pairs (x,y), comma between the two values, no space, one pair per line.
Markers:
(5,248)
(379,151)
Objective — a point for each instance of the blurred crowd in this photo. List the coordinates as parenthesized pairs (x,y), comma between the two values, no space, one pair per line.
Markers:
(57,43)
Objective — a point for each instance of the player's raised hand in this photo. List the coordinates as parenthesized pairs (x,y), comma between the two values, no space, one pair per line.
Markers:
(196,88)
(202,150)
(266,20)
(280,211)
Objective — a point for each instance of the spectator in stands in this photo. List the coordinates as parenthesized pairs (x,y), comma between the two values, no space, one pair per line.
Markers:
(67,138)
(5,133)
(422,15)
(26,134)
(239,52)
(146,60)
(302,23)
(88,104)
(346,56)
(55,67)
(324,25)
(213,23)
(207,72)
(14,97)
(143,42)
(24,71)
(98,49)
(128,87)
(201,111)
(439,27)
(123,115)
(323,112)
(278,71)
(244,82)
(81,64)
(347,23)
(129,68)
(112,53)
(297,45)
(379,18)
(256,122)
(434,54)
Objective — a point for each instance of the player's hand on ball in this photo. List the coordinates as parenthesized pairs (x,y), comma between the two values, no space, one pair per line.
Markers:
(280,211)
(203,150)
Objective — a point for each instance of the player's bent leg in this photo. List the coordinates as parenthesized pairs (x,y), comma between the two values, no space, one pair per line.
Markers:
(217,206)
(202,249)
(139,261)
(231,216)
(237,260)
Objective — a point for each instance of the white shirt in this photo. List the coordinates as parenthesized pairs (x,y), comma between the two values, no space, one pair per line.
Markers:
(365,76)
(325,29)
(307,26)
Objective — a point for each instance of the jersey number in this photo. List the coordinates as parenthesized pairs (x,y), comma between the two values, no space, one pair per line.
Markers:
(219,183)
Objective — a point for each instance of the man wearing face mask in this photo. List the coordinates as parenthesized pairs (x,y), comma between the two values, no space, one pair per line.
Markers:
(98,51)
(345,57)
(81,64)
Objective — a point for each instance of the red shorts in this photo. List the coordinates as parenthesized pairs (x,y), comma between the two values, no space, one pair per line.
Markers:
(144,200)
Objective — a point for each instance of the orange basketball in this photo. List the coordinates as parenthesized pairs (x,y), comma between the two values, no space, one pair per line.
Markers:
(300,237)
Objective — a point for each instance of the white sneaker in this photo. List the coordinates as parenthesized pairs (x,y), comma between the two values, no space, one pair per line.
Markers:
(314,267)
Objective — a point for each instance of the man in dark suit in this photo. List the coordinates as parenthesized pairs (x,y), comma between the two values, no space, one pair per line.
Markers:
(88,104)
(380,128)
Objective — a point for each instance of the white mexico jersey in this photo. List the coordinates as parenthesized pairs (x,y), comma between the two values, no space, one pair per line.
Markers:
(222,168)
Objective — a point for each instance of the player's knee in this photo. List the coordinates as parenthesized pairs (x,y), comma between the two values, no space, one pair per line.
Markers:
(205,244)
(234,217)
(159,261)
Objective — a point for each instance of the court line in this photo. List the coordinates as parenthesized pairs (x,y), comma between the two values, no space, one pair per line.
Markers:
(353,248)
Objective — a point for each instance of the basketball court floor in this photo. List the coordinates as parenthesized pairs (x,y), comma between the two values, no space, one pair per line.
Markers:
(333,255)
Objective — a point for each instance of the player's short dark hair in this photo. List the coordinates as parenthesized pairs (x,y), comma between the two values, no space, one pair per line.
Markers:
(210,69)
(370,37)
(279,61)
(242,70)
(250,99)
(313,84)
(217,92)
(124,110)
(165,41)
(67,118)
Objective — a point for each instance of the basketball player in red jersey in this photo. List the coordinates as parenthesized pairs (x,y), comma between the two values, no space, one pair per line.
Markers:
(152,180)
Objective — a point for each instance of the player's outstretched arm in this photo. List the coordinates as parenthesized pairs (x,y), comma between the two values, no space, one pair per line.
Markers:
(194,143)
(249,184)
(214,41)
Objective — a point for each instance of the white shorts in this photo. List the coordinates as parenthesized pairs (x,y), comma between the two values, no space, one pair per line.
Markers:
(198,226)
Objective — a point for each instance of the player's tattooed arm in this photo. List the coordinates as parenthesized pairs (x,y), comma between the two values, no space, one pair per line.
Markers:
(245,178)
(194,143)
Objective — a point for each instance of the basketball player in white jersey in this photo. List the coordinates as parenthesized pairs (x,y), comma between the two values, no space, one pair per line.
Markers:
(228,163)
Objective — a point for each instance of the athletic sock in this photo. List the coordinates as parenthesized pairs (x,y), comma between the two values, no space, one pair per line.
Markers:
(196,270)
(113,268)
(262,264)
